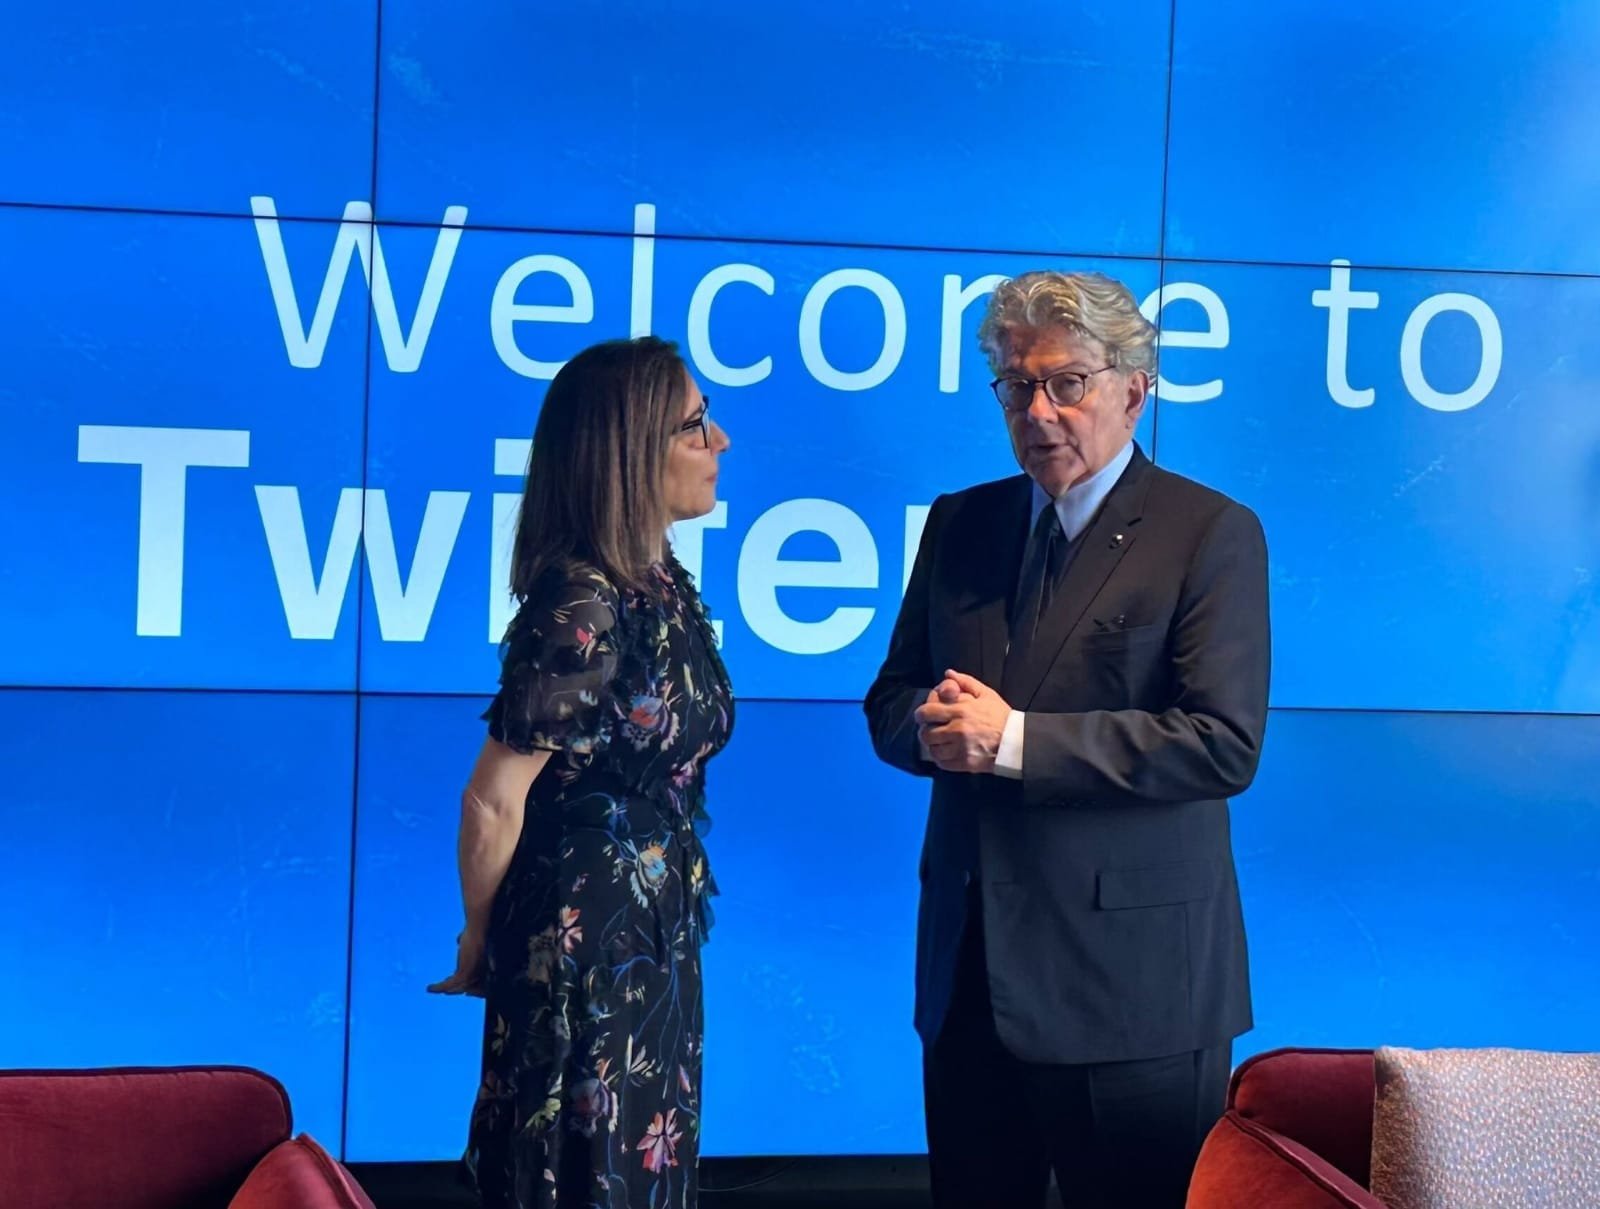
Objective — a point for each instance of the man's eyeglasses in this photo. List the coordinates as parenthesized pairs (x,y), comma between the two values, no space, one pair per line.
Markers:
(1064,389)
(700,422)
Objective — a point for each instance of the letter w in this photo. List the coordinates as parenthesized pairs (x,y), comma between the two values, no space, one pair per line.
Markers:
(356,234)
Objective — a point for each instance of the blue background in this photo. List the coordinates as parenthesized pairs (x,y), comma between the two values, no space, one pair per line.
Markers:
(236,845)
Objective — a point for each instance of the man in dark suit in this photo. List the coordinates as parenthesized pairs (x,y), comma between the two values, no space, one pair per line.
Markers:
(1080,664)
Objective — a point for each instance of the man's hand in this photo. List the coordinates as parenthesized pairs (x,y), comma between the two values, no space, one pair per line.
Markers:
(961,730)
(948,692)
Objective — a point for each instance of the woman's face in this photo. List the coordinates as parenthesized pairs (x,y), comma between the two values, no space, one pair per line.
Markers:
(691,487)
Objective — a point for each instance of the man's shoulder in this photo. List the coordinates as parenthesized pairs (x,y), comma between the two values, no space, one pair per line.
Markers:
(1180,495)
(1169,493)
(995,494)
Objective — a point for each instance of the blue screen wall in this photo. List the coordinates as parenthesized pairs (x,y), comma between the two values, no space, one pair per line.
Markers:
(282,289)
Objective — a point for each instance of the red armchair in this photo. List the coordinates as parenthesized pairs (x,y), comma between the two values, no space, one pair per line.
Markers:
(1297,1134)
(170,1138)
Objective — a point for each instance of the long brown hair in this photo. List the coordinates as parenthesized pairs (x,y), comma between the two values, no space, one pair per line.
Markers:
(596,476)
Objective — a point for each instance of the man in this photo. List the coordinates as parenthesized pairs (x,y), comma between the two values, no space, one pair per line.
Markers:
(1080,664)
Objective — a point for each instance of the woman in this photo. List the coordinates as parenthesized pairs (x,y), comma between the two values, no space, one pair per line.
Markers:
(581,866)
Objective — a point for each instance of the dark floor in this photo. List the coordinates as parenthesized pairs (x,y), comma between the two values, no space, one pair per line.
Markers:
(875,1182)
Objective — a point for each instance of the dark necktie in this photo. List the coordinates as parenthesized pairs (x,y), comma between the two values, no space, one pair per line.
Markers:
(1041,567)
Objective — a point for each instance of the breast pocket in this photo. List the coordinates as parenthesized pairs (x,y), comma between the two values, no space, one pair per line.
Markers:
(1124,636)
(1125,666)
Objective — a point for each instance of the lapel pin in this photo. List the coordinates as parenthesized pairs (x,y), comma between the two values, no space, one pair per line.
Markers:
(1116,541)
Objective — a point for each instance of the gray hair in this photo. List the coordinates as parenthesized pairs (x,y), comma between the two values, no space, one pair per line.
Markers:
(1089,305)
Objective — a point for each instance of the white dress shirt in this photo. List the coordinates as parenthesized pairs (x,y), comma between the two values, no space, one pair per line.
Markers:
(1076,508)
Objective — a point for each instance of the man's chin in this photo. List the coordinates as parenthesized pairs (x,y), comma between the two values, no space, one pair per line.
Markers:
(1054,474)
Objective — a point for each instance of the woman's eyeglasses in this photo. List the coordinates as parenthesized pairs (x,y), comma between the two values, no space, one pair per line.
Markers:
(700,422)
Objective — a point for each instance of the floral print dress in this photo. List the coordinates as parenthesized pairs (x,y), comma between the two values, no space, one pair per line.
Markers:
(593,1021)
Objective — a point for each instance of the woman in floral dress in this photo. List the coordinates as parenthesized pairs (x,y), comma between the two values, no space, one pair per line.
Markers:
(583,875)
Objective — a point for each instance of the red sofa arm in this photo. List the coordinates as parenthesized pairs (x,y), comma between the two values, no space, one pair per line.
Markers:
(300,1174)
(1320,1098)
(1244,1163)
(137,1138)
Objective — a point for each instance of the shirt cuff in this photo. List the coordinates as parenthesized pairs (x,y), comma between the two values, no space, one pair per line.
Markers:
(1008,760)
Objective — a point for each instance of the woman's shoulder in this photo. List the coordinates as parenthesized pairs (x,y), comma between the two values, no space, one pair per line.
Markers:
(571,581)
(584,586)
(567,602)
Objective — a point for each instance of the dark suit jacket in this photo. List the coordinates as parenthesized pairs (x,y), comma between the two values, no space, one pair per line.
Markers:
(1110,908)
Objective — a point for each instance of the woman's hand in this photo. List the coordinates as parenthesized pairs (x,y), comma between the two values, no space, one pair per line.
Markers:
(468,978)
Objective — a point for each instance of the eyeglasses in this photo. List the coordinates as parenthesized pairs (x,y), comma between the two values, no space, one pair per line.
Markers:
(700,422)
(1064,389)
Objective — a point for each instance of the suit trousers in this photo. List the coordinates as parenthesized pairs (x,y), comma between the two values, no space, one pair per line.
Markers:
(1123,1134)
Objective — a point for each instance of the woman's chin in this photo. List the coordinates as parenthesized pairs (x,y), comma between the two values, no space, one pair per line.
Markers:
(694,511)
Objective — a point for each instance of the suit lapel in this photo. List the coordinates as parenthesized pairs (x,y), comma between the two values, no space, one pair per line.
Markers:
(997,555)
(1101,547)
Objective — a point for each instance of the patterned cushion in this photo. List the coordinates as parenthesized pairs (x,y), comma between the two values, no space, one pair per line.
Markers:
(1480,1129)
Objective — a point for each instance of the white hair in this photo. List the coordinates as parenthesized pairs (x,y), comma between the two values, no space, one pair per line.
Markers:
(1089,305)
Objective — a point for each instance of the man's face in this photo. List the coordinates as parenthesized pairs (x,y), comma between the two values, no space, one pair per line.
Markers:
(1060,445)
